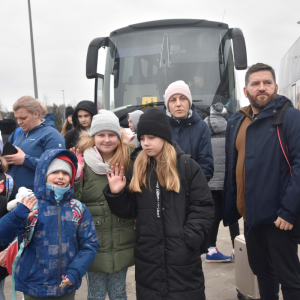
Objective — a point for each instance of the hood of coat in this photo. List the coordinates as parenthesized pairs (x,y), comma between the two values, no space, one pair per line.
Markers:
(275,103)
(49,121)
(187,121)
(135,117)
(86,105)
(268,111)
(216,123)
(40,190)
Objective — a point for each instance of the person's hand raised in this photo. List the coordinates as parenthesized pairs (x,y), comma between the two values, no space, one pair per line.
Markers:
(29,202)
(116,180)
(77,152)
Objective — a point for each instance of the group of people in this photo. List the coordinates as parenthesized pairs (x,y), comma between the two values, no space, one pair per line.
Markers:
(154,199)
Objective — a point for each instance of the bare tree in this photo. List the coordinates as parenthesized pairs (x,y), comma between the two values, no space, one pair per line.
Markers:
(45,100)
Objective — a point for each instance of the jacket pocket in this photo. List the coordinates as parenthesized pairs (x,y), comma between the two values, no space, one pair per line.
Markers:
(98,222)
(127,232)
(26,266)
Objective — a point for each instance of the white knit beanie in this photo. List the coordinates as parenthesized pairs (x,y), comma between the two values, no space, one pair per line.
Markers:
(59,165)
(178,87)
(105,120)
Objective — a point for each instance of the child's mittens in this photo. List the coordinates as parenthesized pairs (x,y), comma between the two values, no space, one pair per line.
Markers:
(22,192)
(22,212)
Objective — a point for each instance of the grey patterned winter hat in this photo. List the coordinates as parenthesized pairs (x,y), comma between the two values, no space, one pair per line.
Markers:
(219,109)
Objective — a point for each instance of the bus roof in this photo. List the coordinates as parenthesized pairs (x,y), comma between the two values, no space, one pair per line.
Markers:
(171,23)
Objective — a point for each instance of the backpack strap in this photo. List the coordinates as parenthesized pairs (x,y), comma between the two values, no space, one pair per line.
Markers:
(186,176)
(9,186)
(15,134)
(77,211)
(27,236)
(281,112)
(13,137)
(284,146)
(278,121)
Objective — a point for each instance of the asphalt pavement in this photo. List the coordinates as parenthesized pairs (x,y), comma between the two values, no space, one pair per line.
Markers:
(219,277)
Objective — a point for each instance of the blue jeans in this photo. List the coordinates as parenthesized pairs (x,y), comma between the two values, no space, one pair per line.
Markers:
(99,284)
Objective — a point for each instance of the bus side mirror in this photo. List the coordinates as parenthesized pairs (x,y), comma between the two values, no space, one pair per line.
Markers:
(92,56)
(239,48)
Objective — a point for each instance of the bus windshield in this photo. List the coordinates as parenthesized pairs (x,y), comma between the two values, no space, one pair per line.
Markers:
(141,65)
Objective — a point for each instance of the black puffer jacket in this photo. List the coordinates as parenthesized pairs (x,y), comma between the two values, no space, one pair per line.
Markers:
(168,241)
(72,136)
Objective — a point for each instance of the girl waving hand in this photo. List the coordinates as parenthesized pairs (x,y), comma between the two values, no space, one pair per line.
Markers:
(172,225)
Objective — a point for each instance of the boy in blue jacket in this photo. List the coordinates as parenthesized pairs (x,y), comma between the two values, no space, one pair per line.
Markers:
(63,241)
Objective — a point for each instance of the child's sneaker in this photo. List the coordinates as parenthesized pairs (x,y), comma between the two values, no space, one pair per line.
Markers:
(218,257)
(232,255)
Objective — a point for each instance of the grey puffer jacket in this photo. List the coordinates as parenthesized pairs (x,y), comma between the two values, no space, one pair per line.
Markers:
(217,126)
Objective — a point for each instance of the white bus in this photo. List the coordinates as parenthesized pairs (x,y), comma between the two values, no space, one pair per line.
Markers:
(143,59)
(289,75)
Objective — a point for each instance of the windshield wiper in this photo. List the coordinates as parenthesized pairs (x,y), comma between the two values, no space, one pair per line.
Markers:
(135,107)
(202,109)
(162,50)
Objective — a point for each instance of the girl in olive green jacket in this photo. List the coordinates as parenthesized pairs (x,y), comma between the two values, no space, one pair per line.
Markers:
(103,147)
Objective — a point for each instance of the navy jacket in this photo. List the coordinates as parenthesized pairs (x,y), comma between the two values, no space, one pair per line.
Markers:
(193,136)
(34,143)
(270,191)
(57,248)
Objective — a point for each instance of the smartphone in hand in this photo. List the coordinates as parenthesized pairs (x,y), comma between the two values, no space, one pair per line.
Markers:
(9,149)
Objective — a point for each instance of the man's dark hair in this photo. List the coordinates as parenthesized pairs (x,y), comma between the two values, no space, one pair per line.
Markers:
(256,68)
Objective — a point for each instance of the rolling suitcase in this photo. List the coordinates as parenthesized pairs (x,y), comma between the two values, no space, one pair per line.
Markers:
(245,280)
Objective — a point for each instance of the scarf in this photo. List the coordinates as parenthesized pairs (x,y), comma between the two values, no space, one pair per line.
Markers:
(168,113)
(93,159)
(58,191)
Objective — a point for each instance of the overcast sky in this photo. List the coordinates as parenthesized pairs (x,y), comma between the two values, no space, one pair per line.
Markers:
(63,30)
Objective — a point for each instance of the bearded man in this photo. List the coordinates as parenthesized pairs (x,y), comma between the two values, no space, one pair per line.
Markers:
(259,187)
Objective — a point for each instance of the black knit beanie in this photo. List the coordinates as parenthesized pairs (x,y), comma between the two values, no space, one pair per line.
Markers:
(155,122)
(69,111)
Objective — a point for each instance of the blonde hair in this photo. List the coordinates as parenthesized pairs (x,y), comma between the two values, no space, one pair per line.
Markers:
(298,104)
(166,170)
(32,105)
(122,151)
(4,165)
(64,128)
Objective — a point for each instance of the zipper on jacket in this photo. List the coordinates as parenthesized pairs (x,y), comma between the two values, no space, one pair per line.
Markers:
(157,200)
(59,247)
(112,242)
